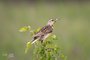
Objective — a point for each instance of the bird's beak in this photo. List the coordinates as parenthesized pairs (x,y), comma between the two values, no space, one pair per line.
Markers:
(56,20)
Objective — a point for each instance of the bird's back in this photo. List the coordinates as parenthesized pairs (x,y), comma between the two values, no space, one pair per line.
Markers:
(47,29)
(43,31)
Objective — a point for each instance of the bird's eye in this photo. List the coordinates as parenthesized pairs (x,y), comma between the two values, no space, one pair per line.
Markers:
(52,20)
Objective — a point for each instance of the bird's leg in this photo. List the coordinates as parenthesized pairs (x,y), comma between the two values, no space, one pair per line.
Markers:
(41,38)
(41,41)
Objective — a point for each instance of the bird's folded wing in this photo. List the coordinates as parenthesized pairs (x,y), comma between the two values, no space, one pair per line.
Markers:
(47,29)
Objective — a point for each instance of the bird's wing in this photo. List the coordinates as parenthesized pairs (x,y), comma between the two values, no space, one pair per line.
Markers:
(42,33)
(44,30)
(47,29)
(36,37)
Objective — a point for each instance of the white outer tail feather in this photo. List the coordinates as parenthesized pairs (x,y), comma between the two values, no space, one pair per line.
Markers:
(34,41)
(46,36)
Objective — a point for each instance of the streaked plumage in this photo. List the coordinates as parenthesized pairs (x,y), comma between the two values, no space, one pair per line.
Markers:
(44,32)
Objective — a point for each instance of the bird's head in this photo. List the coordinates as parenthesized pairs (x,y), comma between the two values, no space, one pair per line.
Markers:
(51,22)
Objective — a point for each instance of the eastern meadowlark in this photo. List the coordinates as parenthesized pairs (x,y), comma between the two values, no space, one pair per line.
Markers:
(44,32)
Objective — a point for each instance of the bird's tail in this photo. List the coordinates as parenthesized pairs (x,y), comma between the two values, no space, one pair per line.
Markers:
(34,41)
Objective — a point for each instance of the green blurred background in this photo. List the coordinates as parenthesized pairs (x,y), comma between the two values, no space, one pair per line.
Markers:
(72,29)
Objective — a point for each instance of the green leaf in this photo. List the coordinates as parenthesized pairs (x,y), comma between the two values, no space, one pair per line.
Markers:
(32,32)
(37,30)
(54,37)
(24,29)
(28,45)
(62,56)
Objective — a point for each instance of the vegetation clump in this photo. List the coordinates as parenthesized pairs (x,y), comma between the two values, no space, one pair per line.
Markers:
(48,50)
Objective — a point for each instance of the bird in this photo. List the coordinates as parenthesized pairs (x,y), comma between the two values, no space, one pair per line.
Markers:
(44,32)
